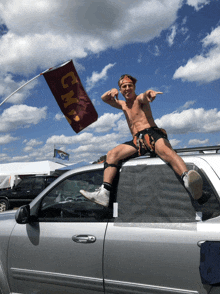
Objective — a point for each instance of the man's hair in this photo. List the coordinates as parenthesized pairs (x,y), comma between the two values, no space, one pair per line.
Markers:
(129,76)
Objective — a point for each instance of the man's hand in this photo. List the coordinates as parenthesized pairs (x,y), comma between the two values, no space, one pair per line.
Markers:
(151,95)
(113,94)
(111,97)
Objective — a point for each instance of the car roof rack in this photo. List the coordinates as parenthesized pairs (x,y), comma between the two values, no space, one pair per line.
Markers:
(199,149)
(202,150)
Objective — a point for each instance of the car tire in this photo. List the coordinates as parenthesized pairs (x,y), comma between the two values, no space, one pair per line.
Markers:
(3,205)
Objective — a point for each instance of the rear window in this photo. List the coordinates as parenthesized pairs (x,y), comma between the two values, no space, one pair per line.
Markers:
(156,194)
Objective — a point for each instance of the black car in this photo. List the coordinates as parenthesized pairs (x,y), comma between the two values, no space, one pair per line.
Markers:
(24,192)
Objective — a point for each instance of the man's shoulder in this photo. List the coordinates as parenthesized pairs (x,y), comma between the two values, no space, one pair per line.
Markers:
(140,96)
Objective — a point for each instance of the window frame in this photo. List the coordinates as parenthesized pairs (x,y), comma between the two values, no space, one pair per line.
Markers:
(191,165)
(103,216)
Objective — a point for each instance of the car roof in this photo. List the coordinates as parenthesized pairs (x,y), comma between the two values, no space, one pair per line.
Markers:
(208,154)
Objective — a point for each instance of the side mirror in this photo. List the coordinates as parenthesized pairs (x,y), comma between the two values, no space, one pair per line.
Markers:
(22,215)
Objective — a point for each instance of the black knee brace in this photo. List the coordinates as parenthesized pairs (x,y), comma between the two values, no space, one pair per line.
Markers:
(106,165)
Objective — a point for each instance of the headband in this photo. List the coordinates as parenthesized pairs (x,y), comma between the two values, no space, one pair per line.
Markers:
(126,80)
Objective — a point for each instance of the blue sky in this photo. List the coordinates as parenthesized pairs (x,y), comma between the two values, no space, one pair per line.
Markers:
(168,45)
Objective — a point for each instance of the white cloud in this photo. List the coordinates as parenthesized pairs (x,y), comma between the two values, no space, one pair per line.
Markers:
(7,139)
(66,140)
(139,58)
(4,157)
(85,146)
(30,145)
(26,53)
(19,158)
(73,29)
(206,67)
(174,142)
(96,77)
(33,143)
(187,105)
(8,86)
(122,128)
(28,149)
(191,120)
(59,116)
(196,142)
(18,116)
(198,4)
(106,122)
(155,51)
(171,37)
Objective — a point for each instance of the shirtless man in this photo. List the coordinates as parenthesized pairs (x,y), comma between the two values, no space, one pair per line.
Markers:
(146,136)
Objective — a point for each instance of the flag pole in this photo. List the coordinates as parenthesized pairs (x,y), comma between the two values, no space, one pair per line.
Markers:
(37,76)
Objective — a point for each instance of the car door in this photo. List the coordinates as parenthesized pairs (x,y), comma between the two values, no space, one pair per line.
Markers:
(153,246)
(23,191)
(62,251)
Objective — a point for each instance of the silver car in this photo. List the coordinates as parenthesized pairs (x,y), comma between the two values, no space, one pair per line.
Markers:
(149,240)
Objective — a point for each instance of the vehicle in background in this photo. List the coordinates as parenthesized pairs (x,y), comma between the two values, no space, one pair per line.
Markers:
(24,192)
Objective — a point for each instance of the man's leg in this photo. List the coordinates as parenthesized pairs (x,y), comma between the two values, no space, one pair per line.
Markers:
(101,196)
(191,179)
(165,151)
(113,157)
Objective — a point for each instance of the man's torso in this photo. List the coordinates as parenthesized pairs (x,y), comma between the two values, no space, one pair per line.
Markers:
(138,116)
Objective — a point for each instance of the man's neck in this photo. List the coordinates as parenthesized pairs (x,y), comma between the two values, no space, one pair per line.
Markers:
(130,101)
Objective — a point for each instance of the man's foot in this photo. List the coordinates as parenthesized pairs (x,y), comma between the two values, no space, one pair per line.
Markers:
(193,183)
(100,196)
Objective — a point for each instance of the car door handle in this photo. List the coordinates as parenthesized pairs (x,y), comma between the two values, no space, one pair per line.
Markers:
(199,243)
(84,239)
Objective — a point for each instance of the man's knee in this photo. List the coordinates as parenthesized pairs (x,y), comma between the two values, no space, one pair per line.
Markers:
(106,165)
(112,156)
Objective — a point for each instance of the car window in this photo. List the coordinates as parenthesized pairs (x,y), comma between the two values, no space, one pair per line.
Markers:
(39,183)
(210,206)
(50,180)
(25,184)
(156,194)
(64,202)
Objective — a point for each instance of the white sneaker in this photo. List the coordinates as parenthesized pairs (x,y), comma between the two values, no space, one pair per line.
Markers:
(100,196)
(193,183)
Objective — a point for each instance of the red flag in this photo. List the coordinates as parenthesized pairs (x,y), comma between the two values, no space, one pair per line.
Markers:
(71,97)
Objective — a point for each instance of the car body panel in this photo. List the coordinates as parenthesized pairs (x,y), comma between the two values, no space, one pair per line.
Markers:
(159,258)
(45,256)
(7,222)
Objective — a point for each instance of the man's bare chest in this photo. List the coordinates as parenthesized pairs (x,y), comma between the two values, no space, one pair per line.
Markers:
(133,110)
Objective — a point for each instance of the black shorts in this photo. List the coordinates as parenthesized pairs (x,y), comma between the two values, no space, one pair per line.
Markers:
(155,134)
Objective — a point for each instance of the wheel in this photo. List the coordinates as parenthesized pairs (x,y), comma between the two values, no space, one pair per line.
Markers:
(3,205)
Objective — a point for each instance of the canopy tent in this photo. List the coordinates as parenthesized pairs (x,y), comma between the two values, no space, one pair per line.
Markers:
(29,168)
(62,170)
(8,181)
(10,171)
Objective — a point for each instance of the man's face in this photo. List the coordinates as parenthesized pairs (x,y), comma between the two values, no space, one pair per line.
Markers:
(127,90)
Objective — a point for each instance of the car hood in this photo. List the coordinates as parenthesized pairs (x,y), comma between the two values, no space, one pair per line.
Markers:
(7,215)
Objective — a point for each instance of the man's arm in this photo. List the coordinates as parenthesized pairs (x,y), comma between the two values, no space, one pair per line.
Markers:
(148,96)
(111,98)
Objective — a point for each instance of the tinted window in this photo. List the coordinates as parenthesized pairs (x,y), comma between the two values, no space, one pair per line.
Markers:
(26,184)
(65,203)
(210,205)
(50,180)
(156,194)
(39,183)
